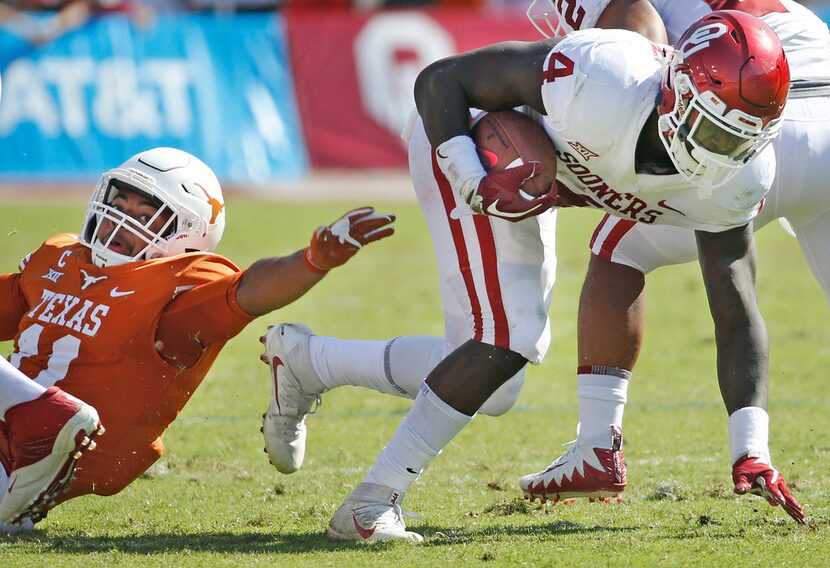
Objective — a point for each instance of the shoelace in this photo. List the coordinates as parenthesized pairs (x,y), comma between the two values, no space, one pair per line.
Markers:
(564,457)
(391,516)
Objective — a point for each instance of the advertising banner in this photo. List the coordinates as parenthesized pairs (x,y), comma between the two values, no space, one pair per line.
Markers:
(354,73)
(218,87)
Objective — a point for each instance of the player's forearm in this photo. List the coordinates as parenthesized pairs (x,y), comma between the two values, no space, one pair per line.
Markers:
(442,102)
(271,283)
(743,373)
(728,265)
(498,77)
(12,305)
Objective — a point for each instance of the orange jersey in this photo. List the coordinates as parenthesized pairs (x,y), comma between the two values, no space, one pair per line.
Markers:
(95,333)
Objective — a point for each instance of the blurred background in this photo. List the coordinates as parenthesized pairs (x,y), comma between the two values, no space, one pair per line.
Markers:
(265,91)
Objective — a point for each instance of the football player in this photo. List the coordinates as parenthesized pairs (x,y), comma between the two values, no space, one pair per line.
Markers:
(129,316)
(611,319)
(703,163)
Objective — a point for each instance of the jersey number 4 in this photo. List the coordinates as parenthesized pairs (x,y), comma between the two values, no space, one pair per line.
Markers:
(64,351)
(557,65)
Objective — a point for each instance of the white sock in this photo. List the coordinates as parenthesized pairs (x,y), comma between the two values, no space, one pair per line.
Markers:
(602,393)
(15,387)
(749,432)
(428,426)
(396,366)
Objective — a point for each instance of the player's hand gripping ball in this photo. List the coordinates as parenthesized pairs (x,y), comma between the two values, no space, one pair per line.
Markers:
(508,139)
(520,162)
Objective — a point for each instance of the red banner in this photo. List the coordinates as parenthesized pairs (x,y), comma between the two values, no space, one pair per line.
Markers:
(354,73)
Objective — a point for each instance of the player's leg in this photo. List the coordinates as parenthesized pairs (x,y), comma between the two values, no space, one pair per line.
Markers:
(47,431)
(611,327)
(813,238)
(304,365)
(500,276)
(15,387)
(394,366)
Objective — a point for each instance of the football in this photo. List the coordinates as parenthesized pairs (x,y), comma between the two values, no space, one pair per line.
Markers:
(508,138)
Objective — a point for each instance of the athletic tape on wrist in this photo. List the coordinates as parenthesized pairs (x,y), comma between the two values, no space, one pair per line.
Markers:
(458,159)
(749,432)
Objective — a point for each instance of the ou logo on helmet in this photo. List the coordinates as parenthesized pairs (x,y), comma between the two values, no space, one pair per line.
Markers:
(701,37)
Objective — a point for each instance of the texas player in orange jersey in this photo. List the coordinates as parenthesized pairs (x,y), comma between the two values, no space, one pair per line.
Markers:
(129,316)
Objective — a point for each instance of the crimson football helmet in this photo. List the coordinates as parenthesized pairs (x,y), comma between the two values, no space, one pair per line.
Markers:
(180,185)
(722,96)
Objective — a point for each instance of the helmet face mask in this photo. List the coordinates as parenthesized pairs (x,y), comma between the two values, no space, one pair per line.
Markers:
(189,215)
(723,93)
(546,18)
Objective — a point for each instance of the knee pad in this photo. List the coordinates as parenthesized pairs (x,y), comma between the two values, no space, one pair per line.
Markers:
(505,396)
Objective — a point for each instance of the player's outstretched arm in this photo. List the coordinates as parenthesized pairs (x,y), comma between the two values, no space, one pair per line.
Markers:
(727,261)
(271,283)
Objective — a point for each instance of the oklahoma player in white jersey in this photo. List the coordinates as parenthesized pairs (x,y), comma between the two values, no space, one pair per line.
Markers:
(611,320)
(496,276)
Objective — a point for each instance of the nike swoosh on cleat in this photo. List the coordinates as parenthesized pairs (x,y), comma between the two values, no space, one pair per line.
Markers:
(554,467)
(115,293)
(276,363)
(364,533)
(412,471)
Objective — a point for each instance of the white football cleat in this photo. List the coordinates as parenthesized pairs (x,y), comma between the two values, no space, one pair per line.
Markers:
(372,513)
(283,424)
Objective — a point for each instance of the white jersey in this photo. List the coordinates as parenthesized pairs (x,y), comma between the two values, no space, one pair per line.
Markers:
(599,89)
(799,192)
(804,36)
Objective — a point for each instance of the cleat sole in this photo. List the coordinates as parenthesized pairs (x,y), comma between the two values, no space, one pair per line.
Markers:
(36,511)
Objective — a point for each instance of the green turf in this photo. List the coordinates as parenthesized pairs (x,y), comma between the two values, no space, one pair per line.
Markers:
(214,500)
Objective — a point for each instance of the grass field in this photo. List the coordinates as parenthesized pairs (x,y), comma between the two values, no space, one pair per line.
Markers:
(214,499)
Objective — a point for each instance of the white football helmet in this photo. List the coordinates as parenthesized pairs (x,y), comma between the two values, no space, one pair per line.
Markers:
(181,186)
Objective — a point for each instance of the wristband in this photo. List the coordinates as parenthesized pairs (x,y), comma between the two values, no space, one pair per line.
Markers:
(749,432)
(458,159)
(310,263)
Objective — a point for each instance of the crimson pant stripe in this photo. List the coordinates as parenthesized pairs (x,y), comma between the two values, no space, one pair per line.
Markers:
(448,198)
(614,236)
(487,244)
(597,230)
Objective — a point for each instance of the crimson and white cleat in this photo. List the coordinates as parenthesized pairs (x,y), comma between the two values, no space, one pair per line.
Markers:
(47,436)
(372,513)
(284,423)
(582,471)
